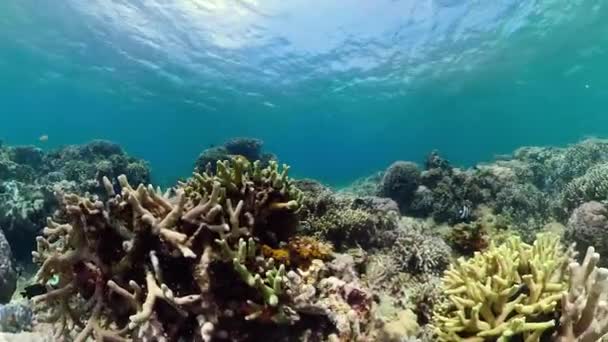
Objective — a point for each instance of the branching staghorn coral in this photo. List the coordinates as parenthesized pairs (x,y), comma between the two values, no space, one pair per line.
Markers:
(96,251)
(269,284)
(508,291)
(184,264)
(263,195)
(121,255)
(488,302)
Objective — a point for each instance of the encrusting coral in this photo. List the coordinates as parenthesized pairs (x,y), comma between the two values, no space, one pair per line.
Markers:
(300,250)
(188,263)
(468,238)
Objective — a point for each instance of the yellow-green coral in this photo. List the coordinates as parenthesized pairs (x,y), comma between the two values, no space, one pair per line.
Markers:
(507,291)
(269,284)
(237,175)
(264,200)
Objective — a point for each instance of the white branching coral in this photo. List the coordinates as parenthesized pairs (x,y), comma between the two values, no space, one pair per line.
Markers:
(585,306)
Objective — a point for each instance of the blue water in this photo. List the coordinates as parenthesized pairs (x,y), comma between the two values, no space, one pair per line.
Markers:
(337,88)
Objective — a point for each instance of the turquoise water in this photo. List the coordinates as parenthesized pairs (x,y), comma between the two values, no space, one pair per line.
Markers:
(337,88)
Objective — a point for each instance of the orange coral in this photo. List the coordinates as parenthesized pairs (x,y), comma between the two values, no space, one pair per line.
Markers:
(280,255)
(304,249)
(299,251)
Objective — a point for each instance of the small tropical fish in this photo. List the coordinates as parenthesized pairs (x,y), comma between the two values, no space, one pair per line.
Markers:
(43,138)
(465,212)
(34,290)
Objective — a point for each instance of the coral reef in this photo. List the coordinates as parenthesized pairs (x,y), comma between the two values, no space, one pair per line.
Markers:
(300,250)
(403,327)
(25,337)
(591,186)
(468,238)
(450,194)
(242,252)
(23,209)
(524,205)
(190,264)
(8,275)
(531,188)
(86,165)
(424,299)
(366,186)
(551,169)
(588,226)
(345,219)
(399,183)
(440,191)
(29,177)
(379,270)
(419,252)
(249,148)
(16,317)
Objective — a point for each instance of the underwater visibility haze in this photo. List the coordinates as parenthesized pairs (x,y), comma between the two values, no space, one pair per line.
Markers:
(304,170)
(336,88)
